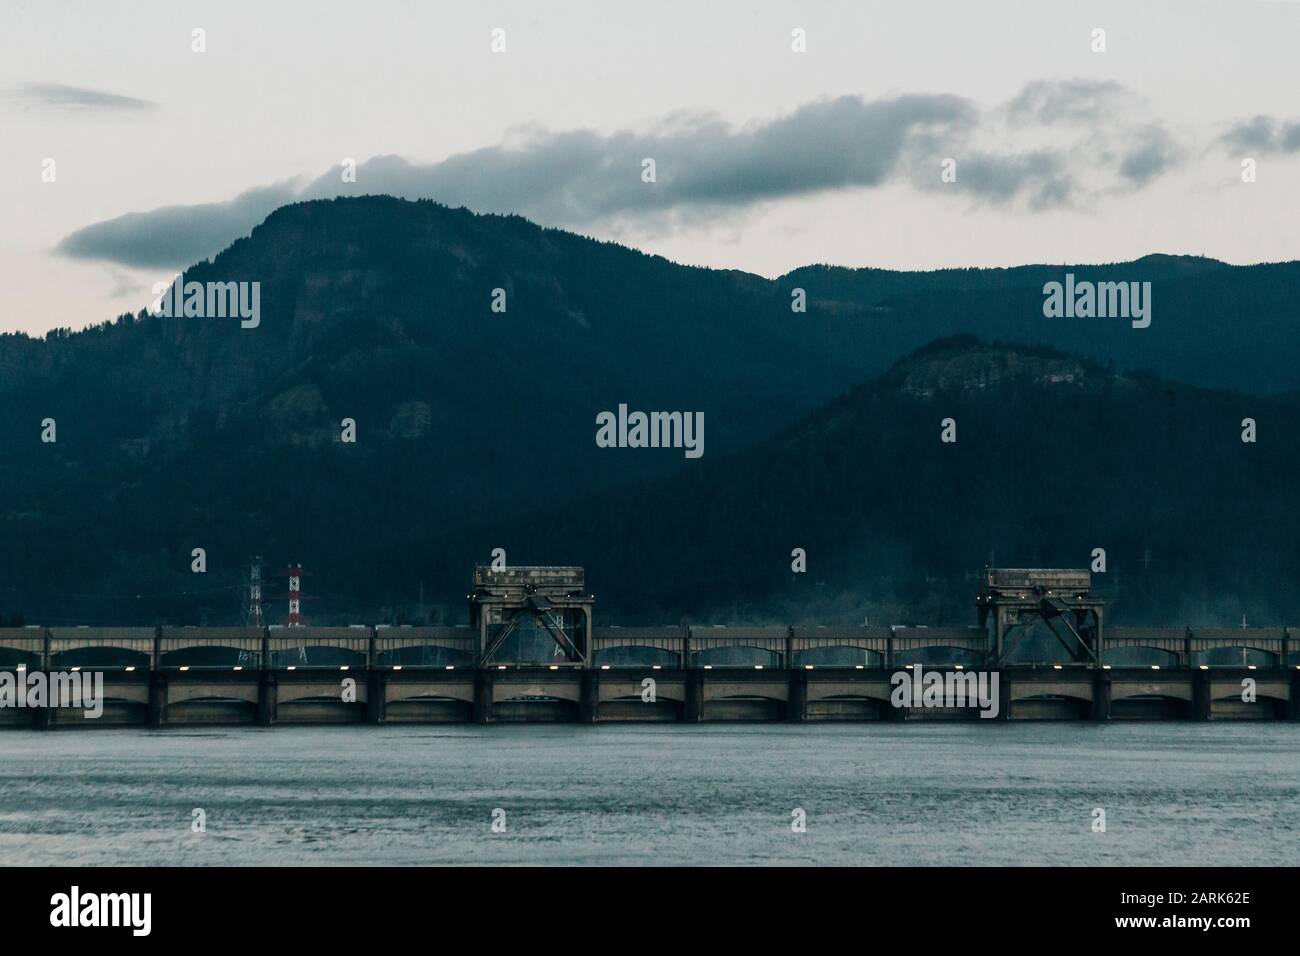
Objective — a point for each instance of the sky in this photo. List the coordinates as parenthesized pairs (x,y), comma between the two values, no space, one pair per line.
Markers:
(765,157)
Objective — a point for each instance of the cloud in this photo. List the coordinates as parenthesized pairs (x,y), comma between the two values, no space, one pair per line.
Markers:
(1154,151)
(1264,134)
(1069,101)
(580,178)
(1061,143)
(176,235)
(706,170)
(56,96)
(1043,176)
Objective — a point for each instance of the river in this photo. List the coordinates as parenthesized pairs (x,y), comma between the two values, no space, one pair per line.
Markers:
(929,793)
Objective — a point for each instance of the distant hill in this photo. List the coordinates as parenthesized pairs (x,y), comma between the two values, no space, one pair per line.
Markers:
(1055,455)
(177,433)
(1213,324)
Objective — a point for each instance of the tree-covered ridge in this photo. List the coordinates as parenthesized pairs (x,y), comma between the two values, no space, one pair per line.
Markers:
(476,429)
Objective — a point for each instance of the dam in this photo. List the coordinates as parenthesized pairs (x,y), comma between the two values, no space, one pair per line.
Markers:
(532,653)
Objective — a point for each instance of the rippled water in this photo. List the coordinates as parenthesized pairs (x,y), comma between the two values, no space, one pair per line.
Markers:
(918,793)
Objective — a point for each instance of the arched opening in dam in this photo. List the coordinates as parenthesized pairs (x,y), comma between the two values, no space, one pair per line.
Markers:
(317,655)
(1137,655)
(425,655)
(99,657)
(839,655)
(216,656)
(212,709)
(736,655)
(535,708)
(636,655)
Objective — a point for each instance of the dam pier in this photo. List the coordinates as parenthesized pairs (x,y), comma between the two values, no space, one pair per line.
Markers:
(532,653)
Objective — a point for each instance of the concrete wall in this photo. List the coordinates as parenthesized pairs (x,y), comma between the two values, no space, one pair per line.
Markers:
(281,675)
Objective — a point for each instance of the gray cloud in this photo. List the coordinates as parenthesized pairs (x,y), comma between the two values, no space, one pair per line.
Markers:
(56,96)
(705,169)
(1043,176)
(1114,146)
(1264,134)
(1154,151)
(176,235)
(580,178)
(1068,101)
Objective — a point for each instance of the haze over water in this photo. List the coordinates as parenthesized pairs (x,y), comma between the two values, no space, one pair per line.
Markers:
(918,793)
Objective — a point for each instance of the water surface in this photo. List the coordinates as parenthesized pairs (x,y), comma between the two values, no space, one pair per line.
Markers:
(916,793)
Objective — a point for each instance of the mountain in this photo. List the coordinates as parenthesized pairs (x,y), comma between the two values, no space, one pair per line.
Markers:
(1055,455)
(379,310)
(1212,324)
(177,433)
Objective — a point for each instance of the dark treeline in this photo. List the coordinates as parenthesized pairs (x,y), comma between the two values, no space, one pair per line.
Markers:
(1055,456)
